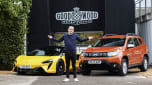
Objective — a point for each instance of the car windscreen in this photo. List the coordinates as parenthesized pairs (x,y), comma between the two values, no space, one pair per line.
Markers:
(108,42)
(49,51)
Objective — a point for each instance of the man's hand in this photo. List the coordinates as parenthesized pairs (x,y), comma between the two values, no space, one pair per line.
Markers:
(50,36)
(90,37)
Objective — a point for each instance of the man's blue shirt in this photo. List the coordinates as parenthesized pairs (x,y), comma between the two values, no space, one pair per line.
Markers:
(70,41)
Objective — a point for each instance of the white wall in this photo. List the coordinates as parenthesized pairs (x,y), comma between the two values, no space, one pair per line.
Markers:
(145,31)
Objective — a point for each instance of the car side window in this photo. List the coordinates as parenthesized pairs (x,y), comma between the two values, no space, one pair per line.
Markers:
(140,40)
(136,42)
(130,41)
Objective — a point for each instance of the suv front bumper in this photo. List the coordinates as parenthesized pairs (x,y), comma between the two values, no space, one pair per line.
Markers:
(105,65)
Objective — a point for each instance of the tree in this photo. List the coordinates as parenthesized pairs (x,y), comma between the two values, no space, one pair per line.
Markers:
(13,27)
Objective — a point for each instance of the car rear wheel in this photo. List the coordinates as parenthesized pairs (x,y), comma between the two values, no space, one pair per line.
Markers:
(124,67)
(144,65)
(60,67)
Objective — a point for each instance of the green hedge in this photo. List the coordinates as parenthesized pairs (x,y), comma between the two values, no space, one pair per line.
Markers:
(13,26)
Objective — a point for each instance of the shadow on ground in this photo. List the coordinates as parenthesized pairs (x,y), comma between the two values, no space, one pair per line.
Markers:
(93,73)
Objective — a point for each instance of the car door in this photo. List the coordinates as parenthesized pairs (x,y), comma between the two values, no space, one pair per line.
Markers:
(131,51)
(142,49)
(138,52)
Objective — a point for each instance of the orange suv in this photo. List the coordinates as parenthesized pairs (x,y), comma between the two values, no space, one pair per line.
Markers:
(115,53)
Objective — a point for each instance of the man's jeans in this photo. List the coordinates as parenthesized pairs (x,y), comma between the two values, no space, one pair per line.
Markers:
(70,55)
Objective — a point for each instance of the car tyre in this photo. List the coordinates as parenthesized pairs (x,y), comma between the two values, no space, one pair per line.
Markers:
(144,65)
(60,67)
(124,67)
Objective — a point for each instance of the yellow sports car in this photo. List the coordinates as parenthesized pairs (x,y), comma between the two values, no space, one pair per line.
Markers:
(47,60)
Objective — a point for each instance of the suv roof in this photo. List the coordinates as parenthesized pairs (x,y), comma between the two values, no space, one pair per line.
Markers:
(120,36)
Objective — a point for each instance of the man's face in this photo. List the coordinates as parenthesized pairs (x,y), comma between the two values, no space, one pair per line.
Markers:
(70,30)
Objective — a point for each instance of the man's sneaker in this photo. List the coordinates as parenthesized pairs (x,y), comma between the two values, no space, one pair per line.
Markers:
(76,79)
(66,79)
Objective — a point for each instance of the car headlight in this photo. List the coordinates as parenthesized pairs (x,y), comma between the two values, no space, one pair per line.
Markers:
(48,61)
(114,53)
(84,54)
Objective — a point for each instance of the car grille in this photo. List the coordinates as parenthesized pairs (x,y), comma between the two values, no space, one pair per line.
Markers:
(101,54)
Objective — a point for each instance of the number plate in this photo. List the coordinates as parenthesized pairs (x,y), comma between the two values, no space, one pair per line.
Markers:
(25,66)
(94,62)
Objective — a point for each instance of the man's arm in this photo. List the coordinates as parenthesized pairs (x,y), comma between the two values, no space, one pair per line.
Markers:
(81,40)
(57,40)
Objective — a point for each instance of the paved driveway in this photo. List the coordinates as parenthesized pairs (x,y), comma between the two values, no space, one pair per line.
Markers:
(96,78)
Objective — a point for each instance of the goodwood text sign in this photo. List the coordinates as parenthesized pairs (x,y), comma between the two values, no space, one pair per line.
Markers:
(77,17)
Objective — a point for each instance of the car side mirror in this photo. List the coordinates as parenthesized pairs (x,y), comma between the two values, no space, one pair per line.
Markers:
(130,46)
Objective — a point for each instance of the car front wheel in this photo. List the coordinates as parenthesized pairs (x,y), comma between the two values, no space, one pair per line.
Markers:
(60,67)
(124,67)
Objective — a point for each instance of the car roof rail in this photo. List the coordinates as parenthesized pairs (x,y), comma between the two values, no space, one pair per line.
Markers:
(131,34)
(109,35)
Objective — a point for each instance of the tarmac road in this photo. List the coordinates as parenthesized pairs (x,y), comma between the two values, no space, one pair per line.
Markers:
(96,78)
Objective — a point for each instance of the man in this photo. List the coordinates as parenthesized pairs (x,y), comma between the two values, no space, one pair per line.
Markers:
(70,50)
